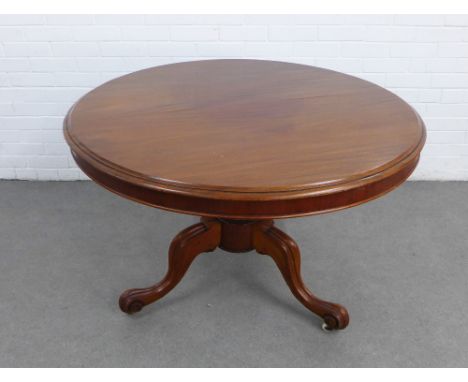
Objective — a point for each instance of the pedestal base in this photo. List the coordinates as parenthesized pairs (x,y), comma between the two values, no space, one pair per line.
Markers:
(236,236)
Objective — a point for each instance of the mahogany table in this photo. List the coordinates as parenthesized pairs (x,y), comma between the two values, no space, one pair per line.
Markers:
(240,143)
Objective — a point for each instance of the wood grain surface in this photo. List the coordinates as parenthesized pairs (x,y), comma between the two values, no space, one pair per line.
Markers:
(244,138)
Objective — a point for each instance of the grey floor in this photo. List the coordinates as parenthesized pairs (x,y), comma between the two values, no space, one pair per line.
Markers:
(399,264)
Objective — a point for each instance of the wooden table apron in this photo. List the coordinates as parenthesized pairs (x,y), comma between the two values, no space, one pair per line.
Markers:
(240,143)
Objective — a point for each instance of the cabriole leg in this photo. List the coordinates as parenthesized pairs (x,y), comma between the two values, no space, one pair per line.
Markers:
(188,244)
(269,240)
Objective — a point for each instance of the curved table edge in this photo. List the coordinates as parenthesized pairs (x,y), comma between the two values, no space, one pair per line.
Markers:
(258,209)
(139,180)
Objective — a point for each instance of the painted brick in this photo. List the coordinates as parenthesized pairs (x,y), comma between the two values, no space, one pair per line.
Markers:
(75,49)
(447,65)
(41,109)
(368,19)
(69,19)
(107,76)
(450,80)
(453,49)
(96,33)
(414,50)
(390,34)
(227,49)
(27,49)
(419,20)
(443,110)
(454,137)
(137,63)
(53,64)
(46,174)
(386,65)
(52,136)
(48,34)
(146,33)
(446,124)
(25,173)
(21,19)
(31,79)
(119,19)
(292,33)
(277,19)
(55,95)
(454,95)
(7,173)
(317,49)
(418,65)
(4,80)
(31,123)
(55,149)
(68,173)
(437,150)
(456,20)
(194,33)
(377,78)
(22,149)
(49,161)
(431,34)
(13,161)
(220,19)
(76,79)
(323,19)
(265,49)
(430,95)
(346,65)
(31,136)
(408,80)
(365,49)
(172,49)
(194,19)
(173,19)
(101,64)
(118,49)
(333,33)
(7,109)
(11,34)
(409,95)
(244,33)
(9,136)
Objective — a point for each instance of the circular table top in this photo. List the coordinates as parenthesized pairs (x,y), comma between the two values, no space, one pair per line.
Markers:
(242,131)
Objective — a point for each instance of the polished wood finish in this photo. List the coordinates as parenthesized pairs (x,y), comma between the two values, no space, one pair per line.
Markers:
(269,240)
(281,207)
(188,244)
(243,142)
(236,236)
(244,139)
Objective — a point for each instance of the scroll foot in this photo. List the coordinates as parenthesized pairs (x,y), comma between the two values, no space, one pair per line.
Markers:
(269,240)
(188,244)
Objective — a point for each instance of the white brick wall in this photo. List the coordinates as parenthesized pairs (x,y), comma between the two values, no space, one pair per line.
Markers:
(48,62)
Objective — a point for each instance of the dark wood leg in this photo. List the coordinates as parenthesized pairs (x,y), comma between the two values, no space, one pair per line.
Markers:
(269,240)
(188,244)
